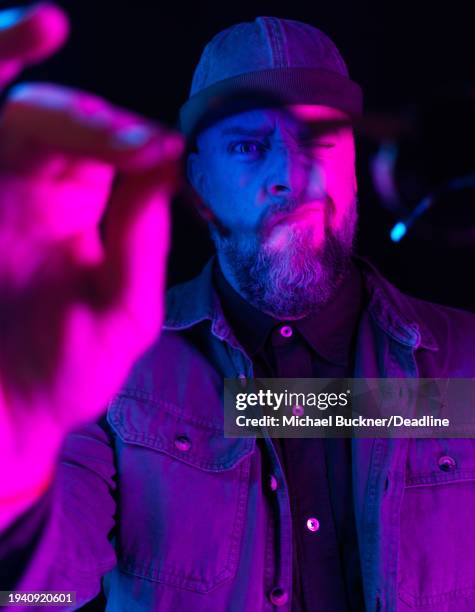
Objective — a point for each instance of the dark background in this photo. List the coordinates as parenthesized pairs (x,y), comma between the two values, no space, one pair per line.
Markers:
(141,55)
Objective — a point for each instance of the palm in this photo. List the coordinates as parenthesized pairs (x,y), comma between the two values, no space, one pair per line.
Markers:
(71,324)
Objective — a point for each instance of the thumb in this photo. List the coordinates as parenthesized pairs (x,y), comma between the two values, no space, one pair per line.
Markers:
(29,35)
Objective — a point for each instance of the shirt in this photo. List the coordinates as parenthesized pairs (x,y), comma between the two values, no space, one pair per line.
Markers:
(326,569)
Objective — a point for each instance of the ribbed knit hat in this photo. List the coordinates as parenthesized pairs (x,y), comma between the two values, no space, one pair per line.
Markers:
(268,60)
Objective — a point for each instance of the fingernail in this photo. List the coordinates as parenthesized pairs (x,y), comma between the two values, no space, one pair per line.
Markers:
(40,94)
(131,136)
(11,17)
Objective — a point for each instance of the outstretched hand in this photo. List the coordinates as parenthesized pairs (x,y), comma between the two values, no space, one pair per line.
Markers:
(84,232)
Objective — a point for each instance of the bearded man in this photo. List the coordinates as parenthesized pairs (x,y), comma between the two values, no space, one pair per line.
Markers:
(152,501)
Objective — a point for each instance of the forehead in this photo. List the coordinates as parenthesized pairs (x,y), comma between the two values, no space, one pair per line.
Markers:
(295,118)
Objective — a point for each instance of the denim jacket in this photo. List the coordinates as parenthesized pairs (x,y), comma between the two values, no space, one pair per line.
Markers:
(177,517)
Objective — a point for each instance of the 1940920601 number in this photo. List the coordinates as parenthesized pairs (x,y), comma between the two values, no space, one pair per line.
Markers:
(37,598)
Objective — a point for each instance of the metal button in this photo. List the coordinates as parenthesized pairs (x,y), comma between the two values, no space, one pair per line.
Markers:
(273,483)
(298,410)
(313,524)
(447,464)
(182,443)
(286,331)
(278,596)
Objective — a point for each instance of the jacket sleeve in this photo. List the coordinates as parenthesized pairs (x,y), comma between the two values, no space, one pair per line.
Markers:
(63,543)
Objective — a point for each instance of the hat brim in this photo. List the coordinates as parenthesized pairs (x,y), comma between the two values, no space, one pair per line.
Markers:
(266,88)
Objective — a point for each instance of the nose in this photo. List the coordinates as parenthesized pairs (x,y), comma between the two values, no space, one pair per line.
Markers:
(291,174)
(284,175)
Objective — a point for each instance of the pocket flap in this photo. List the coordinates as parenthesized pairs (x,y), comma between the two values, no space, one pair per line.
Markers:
(138,418)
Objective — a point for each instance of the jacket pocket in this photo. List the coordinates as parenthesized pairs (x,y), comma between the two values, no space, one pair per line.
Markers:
(183,493)
(437,542)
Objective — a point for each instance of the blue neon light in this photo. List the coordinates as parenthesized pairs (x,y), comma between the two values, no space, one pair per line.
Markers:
(398,231)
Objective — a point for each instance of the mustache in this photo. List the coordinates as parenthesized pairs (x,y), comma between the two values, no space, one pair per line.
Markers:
(290,206)
(285,207)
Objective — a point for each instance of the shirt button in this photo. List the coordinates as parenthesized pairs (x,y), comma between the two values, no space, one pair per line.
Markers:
(273,483)
(286,331)
(447,464)
(298,410)
(278,596)
(182,443)
(242,380)
(313,524)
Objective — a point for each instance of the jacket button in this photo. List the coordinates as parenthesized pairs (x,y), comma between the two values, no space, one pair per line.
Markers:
(447,464)
(273,483)
(313,524)
(286,331)
(278,596)
(298,410)
(182,443)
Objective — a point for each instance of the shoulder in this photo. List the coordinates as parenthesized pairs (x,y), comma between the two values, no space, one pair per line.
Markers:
(447,334)
(453,335)
(452,328)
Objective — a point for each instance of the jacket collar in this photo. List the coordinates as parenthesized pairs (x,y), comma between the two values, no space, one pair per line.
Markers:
(195,301)
(394,311)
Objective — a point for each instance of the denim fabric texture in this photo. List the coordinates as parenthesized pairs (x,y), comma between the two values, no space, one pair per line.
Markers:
(180,518)
(279,61)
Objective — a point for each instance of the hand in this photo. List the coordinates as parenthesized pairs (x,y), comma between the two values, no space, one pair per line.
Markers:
(76,308)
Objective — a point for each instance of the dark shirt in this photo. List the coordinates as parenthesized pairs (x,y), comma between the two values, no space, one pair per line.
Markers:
(326,567)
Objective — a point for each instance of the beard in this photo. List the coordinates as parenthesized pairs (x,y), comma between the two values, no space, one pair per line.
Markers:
(296,279)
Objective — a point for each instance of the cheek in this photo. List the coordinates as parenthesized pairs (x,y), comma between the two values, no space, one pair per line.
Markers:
(340,185)
(233,195)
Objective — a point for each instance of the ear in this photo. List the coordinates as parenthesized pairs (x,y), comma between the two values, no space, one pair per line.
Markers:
(197,179)
(195,174)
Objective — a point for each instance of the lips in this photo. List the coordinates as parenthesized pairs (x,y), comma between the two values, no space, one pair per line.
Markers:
(296,215)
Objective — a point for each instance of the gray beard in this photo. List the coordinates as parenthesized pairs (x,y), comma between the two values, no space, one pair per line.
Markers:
(293,282)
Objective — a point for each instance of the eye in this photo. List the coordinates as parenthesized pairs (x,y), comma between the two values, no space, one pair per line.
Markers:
(318,149)
(247,147)
(318,144)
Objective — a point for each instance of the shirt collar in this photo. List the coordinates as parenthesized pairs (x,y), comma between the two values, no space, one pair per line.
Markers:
(194,301)
(329,331)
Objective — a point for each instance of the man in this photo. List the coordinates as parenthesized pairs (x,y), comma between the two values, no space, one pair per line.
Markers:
(153,498)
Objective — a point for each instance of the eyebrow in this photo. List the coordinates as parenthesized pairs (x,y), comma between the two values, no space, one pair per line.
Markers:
(324,127)
(241,131)
(310,131)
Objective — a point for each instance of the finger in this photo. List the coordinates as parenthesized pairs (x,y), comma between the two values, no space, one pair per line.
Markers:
(40,117)
(32,33)
(131,281)
(8,71)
